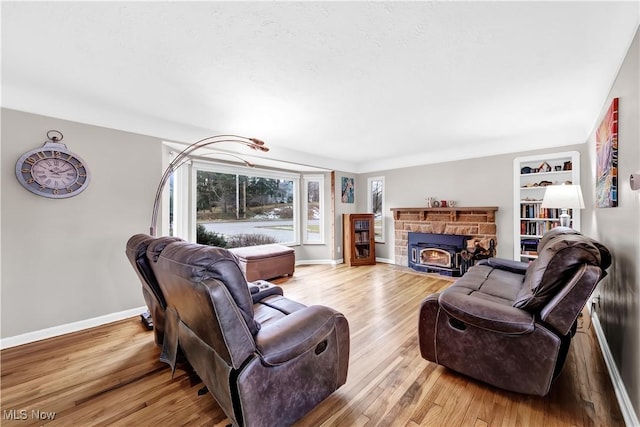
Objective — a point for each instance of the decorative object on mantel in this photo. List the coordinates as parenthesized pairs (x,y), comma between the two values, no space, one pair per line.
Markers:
(52,170)
(432,202)
(607,159)
(182,157)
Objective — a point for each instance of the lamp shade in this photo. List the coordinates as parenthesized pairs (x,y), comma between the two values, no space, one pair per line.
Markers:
(563,197)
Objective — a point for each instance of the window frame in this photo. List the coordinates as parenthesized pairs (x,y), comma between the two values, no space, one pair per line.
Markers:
(306,179)
(378,238)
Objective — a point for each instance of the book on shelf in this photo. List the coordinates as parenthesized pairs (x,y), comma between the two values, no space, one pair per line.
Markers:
(361,225)
(535,210)
(362,236)
(536,228)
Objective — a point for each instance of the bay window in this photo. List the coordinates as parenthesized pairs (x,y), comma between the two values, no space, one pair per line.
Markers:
(230,206)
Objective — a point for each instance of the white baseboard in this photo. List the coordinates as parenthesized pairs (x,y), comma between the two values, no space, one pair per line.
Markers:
(68,328)
(626,407)
(337,261)
(315,262)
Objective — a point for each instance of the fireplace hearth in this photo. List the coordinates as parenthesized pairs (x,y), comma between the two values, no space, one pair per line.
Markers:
(447,254)
(477,222)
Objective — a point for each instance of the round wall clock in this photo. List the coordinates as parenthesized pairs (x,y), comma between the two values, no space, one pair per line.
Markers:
(52,170)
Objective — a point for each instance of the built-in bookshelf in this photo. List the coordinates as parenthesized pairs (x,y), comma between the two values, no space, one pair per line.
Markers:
(532,174)
(358,235)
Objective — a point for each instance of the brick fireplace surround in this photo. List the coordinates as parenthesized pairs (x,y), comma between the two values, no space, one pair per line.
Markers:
(479,222)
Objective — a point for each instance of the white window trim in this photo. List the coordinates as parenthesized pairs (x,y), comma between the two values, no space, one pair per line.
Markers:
(246,170)
(370,180)
(181,203)
(305,208)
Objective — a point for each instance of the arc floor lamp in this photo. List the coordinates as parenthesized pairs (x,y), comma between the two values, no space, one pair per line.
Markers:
(183,156)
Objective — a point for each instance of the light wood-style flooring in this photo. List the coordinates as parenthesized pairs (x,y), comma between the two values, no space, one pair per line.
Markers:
(111,376)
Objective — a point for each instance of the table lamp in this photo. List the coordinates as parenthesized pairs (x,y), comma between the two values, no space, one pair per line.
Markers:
(563,197)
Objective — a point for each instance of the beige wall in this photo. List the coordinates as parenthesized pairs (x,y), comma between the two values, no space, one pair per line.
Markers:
(619,229)
(63,260)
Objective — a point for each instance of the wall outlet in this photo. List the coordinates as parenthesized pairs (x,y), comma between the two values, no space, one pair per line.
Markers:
(338,249)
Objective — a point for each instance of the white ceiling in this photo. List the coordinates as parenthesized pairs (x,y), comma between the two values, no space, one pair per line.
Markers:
(353,86)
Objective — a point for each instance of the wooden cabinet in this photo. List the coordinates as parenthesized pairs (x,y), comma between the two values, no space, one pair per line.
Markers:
(532,174)
(358,237)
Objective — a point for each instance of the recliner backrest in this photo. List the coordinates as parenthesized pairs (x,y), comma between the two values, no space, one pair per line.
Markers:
(560,256)
(555,233)
(206,287)
(136,251)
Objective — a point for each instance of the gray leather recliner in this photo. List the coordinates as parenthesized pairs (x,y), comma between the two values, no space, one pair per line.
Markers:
(510,324)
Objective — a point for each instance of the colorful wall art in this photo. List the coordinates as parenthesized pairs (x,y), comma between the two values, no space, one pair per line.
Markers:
(607,159)
(347,189)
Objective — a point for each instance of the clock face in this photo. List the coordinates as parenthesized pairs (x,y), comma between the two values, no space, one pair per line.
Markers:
(52,171)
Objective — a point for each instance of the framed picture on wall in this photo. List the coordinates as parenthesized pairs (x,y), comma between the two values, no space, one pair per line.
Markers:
(348,186)
(607,158)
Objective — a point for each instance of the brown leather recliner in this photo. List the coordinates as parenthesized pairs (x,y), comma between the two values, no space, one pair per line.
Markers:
(136,251)
(509,323)
(267,360)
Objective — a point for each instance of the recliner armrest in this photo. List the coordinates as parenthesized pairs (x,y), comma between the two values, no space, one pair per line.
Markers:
(260,289)
(295,334)
(517,267)
(486,314)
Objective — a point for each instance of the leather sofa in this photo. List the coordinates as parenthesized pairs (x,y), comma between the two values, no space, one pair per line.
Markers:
(510,324)
(266,359)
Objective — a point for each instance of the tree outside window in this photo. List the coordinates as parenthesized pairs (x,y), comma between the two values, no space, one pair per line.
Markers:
(245,210)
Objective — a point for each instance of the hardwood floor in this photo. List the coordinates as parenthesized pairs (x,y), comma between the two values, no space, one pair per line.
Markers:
(110,375)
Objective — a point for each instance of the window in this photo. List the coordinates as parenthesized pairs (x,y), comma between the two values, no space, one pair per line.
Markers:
(312,210)
(375,205)
(236,206)
(228,205)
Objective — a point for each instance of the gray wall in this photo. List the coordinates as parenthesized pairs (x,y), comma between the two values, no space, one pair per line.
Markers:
(63,260)
(486,181)
(619,229)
